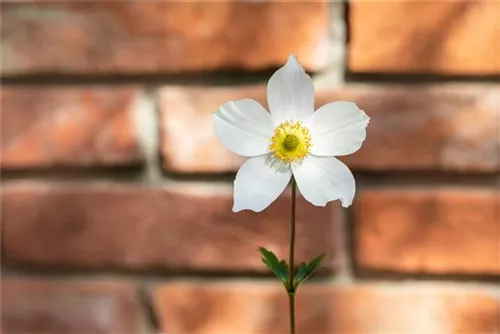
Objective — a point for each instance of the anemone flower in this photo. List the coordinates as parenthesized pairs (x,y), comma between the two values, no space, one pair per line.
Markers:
(292,140)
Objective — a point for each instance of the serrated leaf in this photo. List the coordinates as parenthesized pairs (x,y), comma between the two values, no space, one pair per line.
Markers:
(306,270)
(301,271)
(279,268)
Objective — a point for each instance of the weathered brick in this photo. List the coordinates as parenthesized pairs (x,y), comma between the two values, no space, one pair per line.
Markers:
(439,231)
(34,306)
(452,127)
(142,228)
(447,37)
(160,36)
(47,127)
(188,140)
(253,308)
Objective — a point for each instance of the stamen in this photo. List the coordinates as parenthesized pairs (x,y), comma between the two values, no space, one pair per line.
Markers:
(291,142)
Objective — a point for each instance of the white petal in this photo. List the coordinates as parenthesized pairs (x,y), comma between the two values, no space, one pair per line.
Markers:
(290,93)
(324,179)
(258,183)
(337,128)
(244,127)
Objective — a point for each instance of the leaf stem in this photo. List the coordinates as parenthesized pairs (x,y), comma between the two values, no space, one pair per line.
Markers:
(291,270)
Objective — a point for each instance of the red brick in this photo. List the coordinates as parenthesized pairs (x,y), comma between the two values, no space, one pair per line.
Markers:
(452,127)
(252,308)
(141,228)
(33,306)
(429,231)
(47,127)
(188,141)
(447,37)
(162,36)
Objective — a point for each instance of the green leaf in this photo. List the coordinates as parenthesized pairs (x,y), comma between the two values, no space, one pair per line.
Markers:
(279,268)
(306,270)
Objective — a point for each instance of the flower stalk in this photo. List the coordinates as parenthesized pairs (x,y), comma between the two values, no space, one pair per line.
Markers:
(291,270)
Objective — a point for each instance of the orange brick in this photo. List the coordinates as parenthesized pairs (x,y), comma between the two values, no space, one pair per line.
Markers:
(441,231)
(446,37)
(141,228)
(253,308)
(452,127)
(160,36)
(47,127)
(188,140)
(34,306)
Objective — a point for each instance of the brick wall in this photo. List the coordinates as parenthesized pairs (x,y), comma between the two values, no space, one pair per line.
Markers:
(116,195)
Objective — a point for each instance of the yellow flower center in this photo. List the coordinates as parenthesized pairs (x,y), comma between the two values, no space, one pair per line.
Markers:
(291,142)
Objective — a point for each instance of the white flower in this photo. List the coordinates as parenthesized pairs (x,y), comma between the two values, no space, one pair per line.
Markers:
(291,139)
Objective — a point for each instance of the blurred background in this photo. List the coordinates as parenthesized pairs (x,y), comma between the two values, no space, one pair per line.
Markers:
(116,195)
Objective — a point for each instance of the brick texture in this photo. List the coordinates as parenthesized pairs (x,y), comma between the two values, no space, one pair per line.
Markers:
(451,127)
(447,37)
(161,36)
(50,127)
(429,231)
(113,219)
(33,306)
(140,228)
(251,308)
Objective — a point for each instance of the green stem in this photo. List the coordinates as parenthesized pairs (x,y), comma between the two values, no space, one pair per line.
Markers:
(291,298)
(291,270)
